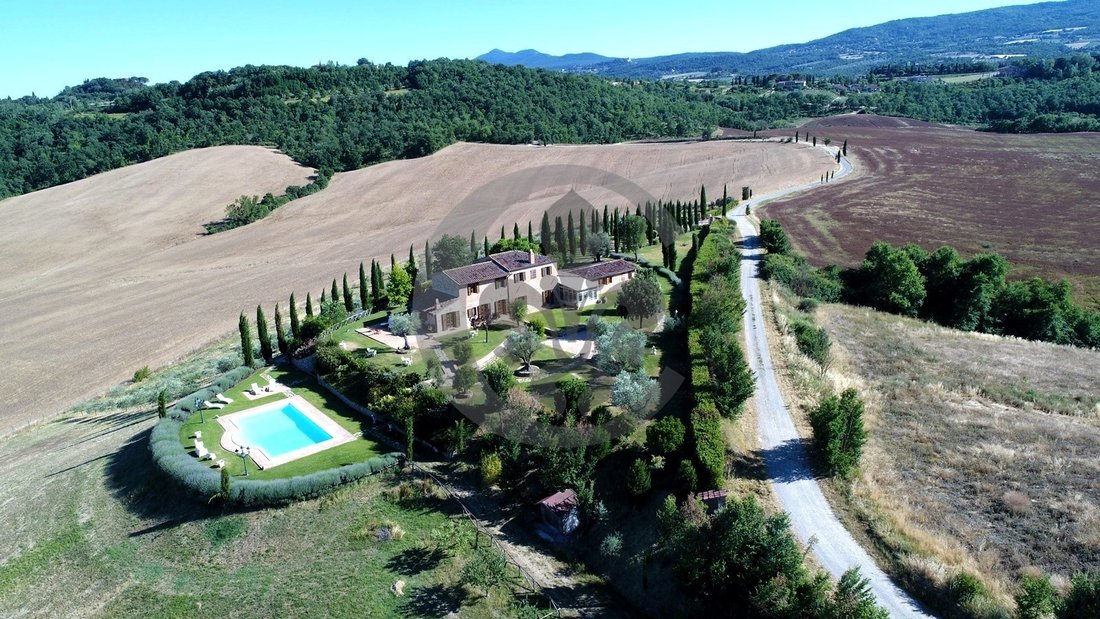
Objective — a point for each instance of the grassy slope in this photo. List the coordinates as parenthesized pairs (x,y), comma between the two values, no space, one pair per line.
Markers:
(96,532)
(981,451)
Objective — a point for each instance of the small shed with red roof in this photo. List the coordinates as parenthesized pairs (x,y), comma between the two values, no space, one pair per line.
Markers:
(561,510)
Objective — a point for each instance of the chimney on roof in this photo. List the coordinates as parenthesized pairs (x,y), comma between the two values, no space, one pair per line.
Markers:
(531,256)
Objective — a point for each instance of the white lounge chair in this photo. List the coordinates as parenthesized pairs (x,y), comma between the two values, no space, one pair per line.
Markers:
(198,434)
(201,451)
(209,404)
(407,361)
(210,455)
(221,464)
(221,398)
(199,445)
(256,389)
(372,352)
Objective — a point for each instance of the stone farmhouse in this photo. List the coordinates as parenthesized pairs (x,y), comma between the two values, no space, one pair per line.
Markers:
(469,296)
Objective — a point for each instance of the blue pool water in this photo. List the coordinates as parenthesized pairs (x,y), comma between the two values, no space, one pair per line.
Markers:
(280,430)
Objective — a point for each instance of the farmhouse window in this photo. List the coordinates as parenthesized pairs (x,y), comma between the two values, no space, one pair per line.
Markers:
(500,282)
(450,321)
(605,280)
(547,270)
(501,307)
(534,273)
(519,277)
(472,289)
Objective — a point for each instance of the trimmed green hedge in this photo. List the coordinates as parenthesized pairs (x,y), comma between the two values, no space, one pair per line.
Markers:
(203,482)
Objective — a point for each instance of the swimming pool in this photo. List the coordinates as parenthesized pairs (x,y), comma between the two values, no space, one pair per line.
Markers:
(282,431)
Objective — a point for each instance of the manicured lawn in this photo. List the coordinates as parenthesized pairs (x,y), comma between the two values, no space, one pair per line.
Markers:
(652,253)
(349,453)
(384,357)
(497,333)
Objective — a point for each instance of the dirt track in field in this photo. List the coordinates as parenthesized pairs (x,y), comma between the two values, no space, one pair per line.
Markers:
(105,275)
(1030,198)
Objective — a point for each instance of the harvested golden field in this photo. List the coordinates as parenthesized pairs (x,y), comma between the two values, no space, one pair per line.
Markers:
(982,450)
(111,273)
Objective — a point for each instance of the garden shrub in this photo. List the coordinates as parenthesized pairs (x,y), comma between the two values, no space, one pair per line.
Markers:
(665,435)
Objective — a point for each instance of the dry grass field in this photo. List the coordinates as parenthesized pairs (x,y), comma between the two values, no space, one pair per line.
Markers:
(982,450)
(111,273)
(1030,198)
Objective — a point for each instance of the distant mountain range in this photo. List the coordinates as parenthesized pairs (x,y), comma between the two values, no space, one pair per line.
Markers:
(1044,29)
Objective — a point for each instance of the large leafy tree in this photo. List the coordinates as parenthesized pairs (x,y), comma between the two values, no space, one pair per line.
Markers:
(522,343)
(630,233)
(892,282)
(400,286)
(642,296)
(620,348)
(450,251)
(403,325)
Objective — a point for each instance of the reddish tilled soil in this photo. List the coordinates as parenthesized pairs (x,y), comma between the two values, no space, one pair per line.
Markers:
(1030,198)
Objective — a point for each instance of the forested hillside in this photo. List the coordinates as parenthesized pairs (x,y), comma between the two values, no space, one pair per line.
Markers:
(329,117)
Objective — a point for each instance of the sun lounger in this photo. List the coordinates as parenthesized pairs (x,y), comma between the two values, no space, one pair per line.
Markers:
(210,455)
(407,361)
(221,464)
(209,404)
(199,445)
(256,389)
(371,352)
(198,433)
(221,398)
(201,451)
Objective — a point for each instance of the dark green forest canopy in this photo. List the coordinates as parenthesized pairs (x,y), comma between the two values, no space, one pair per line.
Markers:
(330,117)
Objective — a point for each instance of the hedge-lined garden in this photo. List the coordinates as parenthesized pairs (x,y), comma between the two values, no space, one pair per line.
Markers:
(205,483)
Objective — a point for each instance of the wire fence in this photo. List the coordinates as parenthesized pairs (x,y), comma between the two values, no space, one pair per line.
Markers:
(532,584)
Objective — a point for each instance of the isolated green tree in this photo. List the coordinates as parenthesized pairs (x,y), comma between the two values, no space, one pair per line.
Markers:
(451,251)
(410,266)
(464,379)
(522,343)
(498,376)
(620,348)
(599,245)
(309,306)
(162,404)
(349,303)
(545,235)
(517,310)
(892,282)
(264,335)
(473,244)
(665,435)
(334,292)
(642,296)
(635,392)
(574,396)
(403,325)
(280,334)
(428,266)
(638,479)
(400,287)
(295,323)
(364,291)
(702,199)
(631,232)
(837,424)
(246,341)
(461,351)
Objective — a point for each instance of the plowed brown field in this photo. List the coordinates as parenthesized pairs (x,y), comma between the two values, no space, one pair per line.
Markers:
(1031,198)
(105,275)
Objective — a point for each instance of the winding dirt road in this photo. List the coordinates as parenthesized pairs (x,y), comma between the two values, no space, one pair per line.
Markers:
(788,463)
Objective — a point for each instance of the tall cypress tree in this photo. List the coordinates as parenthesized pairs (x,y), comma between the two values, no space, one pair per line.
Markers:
(473,243)
(702,200)
(545,236)
(349,304)
(561,244)
(515,231)
(280,335)
(335,293)
(501,232)
(393,262)
(246,341)
(530,235)
(364,292)
(427,262)
(486,246)
(321,307)
(410,266)
(264,335)
(571,236)
(606,223)
(725,200)
(309,306)
(582,242)
(295,325)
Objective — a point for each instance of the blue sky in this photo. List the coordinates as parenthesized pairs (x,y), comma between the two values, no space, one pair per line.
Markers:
(48,44)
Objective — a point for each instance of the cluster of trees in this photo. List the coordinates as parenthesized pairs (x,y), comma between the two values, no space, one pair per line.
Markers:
(743,562)
(972,295)
(837,422)
(330,117)
(1035,95)
(247,209)
(1038,599)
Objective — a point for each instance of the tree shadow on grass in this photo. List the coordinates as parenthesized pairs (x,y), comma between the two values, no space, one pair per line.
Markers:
(434,601)
(413,561)
(136,482)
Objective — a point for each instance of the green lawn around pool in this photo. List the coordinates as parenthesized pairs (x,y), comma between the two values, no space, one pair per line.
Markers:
(303,385)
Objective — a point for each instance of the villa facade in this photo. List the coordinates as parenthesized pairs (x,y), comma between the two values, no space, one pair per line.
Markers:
(469,296)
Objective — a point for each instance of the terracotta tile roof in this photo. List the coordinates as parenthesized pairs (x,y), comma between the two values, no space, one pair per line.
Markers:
(607,268)
(516,260)
(561,502)
(477,272)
